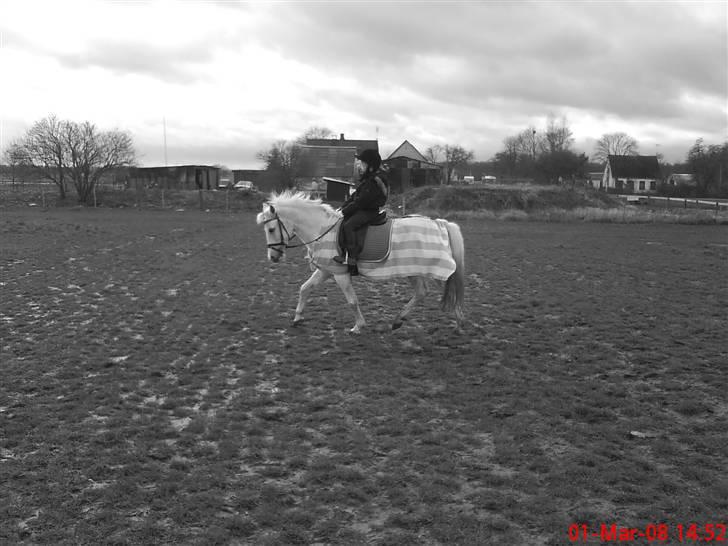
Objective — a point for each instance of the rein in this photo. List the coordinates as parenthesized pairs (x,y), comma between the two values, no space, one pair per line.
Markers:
(284,243)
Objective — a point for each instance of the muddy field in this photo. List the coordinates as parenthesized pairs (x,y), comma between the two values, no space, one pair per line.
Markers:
(154,391)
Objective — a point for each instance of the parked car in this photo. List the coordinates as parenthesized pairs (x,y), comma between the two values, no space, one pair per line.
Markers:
(245,185)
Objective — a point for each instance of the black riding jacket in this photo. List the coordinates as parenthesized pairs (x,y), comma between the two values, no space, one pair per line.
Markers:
(371,194)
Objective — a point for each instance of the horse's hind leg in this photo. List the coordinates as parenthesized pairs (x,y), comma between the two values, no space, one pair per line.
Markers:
(418,283)
(313,281)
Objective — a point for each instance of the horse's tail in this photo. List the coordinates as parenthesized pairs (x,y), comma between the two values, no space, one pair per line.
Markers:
(454,295)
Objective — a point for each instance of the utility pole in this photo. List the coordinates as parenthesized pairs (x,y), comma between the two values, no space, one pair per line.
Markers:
(164,124)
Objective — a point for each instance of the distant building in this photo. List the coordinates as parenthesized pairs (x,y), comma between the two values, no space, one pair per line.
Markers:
(182,177)
(359,145)
(631,173)
(594,179)
(328,162)
(408,168)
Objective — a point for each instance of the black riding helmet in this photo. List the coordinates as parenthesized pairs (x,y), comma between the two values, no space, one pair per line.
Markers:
(371,158)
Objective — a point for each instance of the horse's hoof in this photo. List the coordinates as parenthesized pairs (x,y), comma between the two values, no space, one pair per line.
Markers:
(355,330)
(396,324)
(297,322)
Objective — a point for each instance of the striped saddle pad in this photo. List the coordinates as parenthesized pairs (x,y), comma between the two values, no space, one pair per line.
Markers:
(377,242)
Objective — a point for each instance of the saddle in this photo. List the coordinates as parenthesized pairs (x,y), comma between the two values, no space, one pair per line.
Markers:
(377,239)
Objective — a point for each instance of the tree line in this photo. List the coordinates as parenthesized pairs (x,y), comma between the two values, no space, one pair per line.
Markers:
(67,152)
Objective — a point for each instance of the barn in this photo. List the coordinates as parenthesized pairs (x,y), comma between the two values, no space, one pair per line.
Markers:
(408,168)
(182,177)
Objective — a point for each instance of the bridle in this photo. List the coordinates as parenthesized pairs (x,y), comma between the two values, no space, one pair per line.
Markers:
(285,241)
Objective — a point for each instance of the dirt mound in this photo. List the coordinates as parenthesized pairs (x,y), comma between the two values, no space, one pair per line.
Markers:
(498,198)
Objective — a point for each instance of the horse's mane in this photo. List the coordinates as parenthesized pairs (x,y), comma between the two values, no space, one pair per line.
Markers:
(298,199)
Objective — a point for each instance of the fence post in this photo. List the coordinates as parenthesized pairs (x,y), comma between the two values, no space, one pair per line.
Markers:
(685,205)
(202,207)
(404,206)
(163,206)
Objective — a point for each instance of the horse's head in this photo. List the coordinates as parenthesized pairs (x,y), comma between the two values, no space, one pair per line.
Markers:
(276,234)
(290,214)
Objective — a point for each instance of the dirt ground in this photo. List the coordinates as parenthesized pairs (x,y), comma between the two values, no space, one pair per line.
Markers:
(154,391)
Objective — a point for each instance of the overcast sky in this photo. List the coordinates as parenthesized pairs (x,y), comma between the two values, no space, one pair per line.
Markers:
(231,78)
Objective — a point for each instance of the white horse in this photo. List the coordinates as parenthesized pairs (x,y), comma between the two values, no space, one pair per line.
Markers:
(421,247)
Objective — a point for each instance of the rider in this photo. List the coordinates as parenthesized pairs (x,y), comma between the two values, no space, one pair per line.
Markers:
(362,206)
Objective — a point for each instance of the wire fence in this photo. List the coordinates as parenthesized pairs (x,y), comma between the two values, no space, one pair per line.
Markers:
(677,202)
(47,195)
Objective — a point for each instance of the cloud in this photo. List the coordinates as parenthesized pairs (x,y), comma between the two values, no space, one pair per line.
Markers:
(238,76)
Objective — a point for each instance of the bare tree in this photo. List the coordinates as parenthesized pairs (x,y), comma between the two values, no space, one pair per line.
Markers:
(282,161)
(315,132)
(15,158)
(614,144)
(42,146)
(450,157)
(559,137)
(62,150)
(434,154)
(90,154)
(530,142)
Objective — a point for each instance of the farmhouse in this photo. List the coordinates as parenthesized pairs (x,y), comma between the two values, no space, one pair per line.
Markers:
(631,173)
(408,168)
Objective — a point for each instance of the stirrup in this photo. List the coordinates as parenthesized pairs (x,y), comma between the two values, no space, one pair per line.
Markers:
(343,260)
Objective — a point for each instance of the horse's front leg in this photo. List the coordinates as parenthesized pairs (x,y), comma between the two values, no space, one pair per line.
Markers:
(344,282)
(313,281)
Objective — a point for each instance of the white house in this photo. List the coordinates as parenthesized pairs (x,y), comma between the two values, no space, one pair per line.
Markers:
(631,173)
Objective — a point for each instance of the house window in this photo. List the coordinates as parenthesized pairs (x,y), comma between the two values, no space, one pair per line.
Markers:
(642,184)
(653,185)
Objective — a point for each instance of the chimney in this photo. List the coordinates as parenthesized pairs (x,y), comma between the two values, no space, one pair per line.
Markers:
(342,136)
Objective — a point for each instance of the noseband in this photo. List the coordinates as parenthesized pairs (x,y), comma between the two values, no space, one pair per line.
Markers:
(284,242)
(281,229)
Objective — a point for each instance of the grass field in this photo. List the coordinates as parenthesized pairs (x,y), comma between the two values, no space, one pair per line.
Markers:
(153,390)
